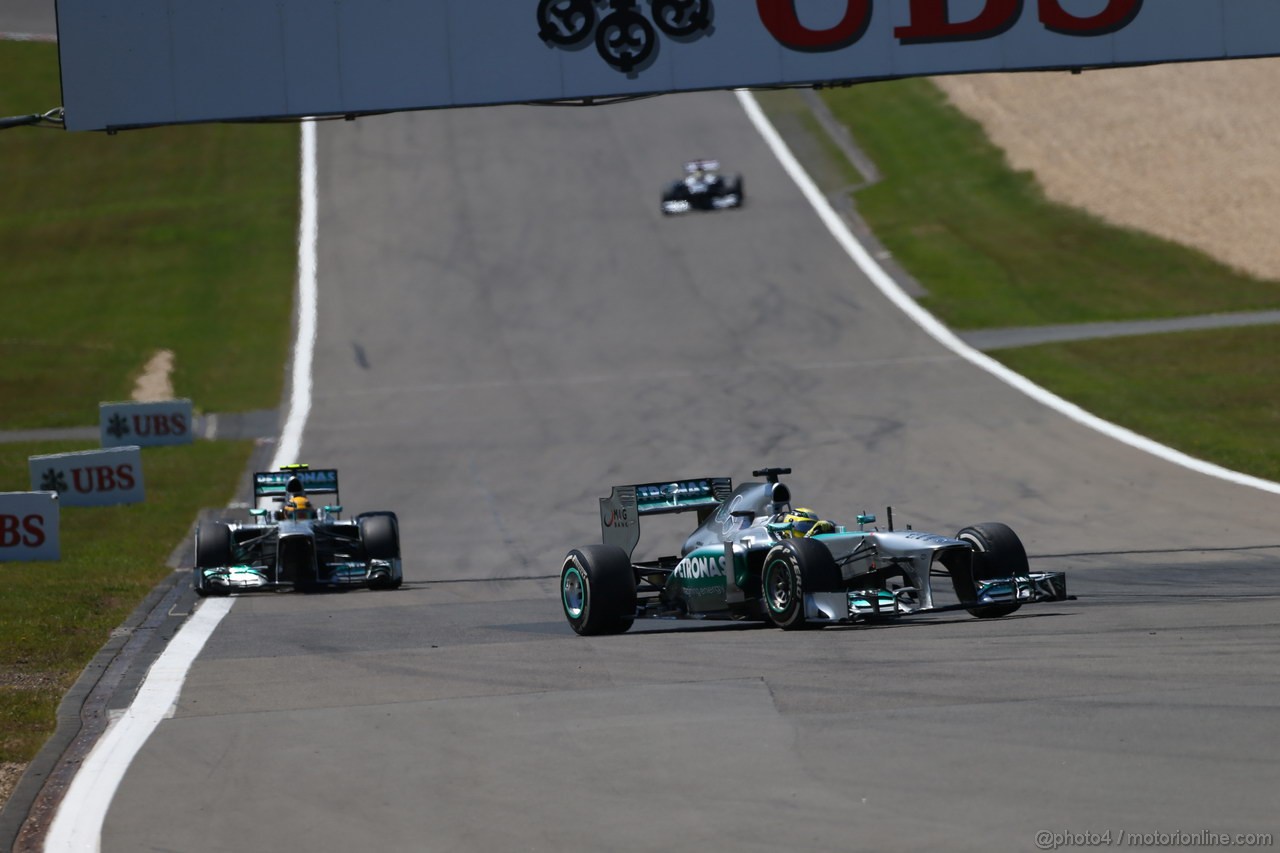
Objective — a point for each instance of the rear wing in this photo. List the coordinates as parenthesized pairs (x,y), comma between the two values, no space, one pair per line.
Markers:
(315,481)
(620,512)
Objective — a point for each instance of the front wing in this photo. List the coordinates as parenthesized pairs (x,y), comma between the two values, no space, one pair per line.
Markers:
(247,578)
(862,605)
(721,201)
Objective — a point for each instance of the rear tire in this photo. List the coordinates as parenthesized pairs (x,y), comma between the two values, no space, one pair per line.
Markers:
(792,568)
(598,590)
(997,553)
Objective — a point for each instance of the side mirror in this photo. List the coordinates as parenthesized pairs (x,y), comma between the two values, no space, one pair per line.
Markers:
(865,518)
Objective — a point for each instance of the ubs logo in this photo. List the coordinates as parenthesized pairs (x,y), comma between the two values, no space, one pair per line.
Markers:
(623,36)
(627,40)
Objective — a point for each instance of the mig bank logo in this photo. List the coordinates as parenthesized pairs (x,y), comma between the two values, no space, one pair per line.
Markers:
(623,36)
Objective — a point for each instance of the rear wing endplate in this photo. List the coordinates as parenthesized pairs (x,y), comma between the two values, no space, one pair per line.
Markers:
(620,512)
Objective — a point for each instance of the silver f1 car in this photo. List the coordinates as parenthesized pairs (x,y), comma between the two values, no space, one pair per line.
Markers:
(703,188)
(755,557)
(295,544)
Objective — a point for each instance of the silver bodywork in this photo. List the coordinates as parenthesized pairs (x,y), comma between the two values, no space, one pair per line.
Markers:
(884,573)
(323,552)
(313,549)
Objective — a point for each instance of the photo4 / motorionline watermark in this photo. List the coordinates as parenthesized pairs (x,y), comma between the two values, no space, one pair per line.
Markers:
(1050,840)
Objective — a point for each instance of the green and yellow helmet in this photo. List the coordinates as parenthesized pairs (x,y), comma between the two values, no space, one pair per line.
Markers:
(802,522)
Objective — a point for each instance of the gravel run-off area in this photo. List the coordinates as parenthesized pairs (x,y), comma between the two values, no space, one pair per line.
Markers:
(1189,152)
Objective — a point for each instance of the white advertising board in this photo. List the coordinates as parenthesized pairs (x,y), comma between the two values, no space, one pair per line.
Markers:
(133,63)
(145,424)
(29,526)
(91,477)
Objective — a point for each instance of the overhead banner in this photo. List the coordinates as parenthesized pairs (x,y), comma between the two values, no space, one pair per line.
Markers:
(29,526)
(132,63)
(145,424)
(91,477)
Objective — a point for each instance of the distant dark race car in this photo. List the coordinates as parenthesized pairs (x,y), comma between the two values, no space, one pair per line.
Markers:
(292,543)
(753,556)
(703,188)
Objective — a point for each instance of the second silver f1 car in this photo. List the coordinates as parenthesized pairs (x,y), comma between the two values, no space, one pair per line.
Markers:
(295,544)
(754,556)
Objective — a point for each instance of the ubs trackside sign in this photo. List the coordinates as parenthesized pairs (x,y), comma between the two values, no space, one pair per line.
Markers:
(145,424)
(174,61)
(29,526)
(91,477)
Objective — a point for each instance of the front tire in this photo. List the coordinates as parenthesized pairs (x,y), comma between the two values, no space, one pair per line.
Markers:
(792,568)
(598,590)
(997,553)
(213,551)
(380,538)
(213,545)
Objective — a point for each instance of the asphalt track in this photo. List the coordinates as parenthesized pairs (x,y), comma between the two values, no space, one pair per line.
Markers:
(29,19)
(507,327)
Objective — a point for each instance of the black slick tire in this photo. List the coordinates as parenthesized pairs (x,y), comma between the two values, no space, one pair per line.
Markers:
(598,590)
(792,568)
(213,551)
(997,553)
(380,538)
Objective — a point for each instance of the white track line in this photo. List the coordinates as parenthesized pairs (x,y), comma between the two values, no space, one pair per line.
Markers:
(290,446)
(885,283)
(77,825)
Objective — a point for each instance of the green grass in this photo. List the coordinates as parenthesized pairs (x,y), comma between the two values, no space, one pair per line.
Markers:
(114,247)
(987,245)
(790,113)
(55,616)
(993,252)
(183,238)
(1212,394)
(117,246)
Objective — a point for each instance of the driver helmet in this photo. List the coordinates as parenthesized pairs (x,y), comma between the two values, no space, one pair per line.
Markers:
(801,522)
(299,507)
